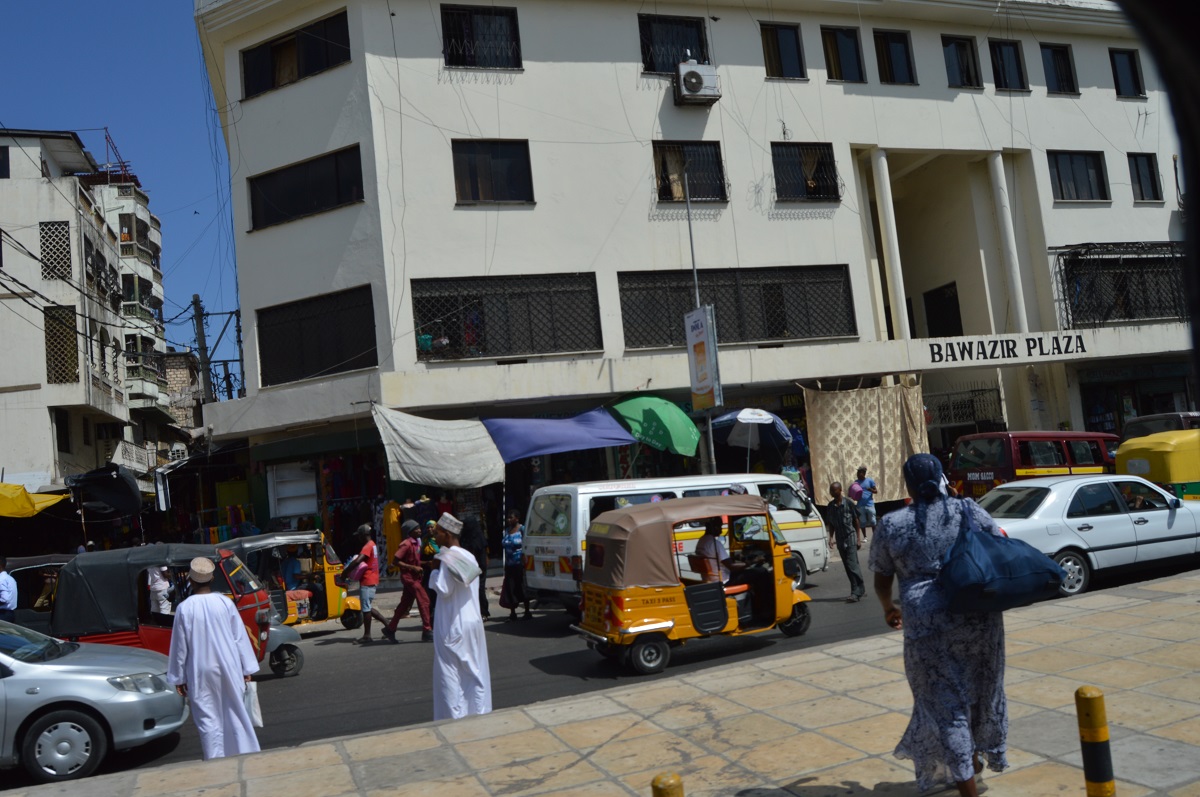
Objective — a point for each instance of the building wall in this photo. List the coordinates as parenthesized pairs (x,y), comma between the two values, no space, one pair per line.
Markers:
(590,115)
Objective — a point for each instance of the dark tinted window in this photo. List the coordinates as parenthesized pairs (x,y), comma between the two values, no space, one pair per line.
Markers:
(3,163)
(893,51)
(843,55)
(1012,502)
(782,55)
(62,429)
(307,51)
(1060,69)
(492,171)
(605,503)
(669,41)
(1095,499)
(1078,175)
(319,336)
(1008,68)
(962,62)
(983,452)
(1085,452)
(1127,73)
(481,36)
(322,183)
(1041,453)
(1143,176)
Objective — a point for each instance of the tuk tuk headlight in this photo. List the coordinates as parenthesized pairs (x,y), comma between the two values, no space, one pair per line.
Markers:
(144,682)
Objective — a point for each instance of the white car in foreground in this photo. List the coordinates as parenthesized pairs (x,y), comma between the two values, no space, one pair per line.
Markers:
(1089,523)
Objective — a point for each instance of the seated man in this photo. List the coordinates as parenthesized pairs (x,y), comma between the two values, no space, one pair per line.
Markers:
(718,563)
(295,585)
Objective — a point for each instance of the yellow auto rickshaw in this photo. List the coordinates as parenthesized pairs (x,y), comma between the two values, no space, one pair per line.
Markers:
(1169,459)
(637,605)
(301,572)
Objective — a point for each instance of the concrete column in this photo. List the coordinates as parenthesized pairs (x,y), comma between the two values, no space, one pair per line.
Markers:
(1008,241)
(890,245)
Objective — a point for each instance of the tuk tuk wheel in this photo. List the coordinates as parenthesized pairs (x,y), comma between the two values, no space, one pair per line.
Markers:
(63,745)
(287,661)
(649,655)
(351,619)
(798,623)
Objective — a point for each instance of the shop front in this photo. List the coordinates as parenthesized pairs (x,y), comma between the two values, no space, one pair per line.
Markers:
(1119,390)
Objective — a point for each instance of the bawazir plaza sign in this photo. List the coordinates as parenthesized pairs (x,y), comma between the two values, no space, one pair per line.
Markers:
(992,349)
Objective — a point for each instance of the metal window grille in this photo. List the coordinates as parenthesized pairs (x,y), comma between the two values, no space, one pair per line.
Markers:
(319,336)
(668,41)
(805,172)
(705,172)
(62,345)
(55,237)
(969,405)
(1102,284)
(761,304)
(484,37)
(506,316)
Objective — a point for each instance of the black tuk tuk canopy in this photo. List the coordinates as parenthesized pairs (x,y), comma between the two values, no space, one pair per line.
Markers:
(635,547)
(98,591)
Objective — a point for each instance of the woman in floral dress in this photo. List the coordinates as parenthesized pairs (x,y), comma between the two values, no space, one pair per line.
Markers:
(954,662)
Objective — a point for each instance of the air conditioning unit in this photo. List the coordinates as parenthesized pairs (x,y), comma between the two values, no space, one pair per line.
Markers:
(696,84)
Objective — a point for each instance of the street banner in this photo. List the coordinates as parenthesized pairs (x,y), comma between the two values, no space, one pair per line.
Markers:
(700,330)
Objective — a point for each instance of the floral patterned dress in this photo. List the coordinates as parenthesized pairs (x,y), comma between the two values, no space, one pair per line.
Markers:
(954,662)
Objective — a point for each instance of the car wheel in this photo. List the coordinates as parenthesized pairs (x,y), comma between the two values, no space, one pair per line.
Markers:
(800,580)
(63,745)
(351,619)
(649,655)
(798,623)
(287,661)
(1079,572)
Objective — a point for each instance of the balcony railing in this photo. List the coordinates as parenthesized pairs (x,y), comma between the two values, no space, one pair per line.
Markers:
(134,457)
(136,310)
(1106,284)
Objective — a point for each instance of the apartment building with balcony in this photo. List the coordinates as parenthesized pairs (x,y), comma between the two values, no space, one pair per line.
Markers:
(461,210)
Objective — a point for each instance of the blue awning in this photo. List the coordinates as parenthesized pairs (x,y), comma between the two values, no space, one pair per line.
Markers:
(517,438)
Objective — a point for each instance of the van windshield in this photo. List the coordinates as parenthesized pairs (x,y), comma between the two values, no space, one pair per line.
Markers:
(550,516)
(982,452)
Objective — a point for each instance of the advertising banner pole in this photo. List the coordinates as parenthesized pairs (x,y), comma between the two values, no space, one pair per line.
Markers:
(700,330)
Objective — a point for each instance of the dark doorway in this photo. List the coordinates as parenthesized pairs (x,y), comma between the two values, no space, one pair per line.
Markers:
(942,316)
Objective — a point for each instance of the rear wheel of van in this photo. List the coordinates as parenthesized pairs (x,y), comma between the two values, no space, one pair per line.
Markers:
(800,580)
(649,655)
(1079,572)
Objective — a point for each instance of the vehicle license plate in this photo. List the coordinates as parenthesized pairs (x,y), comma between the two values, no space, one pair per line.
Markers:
(979,489)
(548,569)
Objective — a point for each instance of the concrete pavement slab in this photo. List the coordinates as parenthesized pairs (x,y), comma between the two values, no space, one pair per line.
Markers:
(1154,762)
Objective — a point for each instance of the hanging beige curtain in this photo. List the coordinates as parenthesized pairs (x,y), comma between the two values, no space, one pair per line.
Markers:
(670,173)
(877,427)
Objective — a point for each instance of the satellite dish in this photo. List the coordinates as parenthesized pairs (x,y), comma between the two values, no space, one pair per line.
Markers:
(693,81)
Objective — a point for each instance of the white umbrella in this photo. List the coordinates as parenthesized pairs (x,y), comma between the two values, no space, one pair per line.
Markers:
(749,427)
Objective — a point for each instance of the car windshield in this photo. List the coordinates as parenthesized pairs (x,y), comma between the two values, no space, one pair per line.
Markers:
(23,644)
(1013,502)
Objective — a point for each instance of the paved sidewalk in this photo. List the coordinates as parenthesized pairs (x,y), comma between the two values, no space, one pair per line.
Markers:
(808,723)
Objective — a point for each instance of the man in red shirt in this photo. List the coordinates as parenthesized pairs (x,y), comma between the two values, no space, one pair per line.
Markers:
(408,560)
(369,581)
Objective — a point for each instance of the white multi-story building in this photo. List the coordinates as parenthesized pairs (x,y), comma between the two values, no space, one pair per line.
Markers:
(81,278)
(456,208)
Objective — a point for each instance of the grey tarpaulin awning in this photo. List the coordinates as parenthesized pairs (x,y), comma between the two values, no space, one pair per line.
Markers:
(449,454)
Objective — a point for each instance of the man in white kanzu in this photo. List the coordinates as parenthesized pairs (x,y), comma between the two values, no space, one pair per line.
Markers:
(210,662)
(462,684)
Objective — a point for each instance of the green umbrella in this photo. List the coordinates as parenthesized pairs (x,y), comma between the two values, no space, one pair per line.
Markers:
(658,423)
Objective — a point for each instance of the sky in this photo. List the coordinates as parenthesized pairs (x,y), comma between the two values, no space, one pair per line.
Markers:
(135,67)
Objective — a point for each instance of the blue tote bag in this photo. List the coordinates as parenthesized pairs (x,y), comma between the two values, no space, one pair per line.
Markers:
(983,572)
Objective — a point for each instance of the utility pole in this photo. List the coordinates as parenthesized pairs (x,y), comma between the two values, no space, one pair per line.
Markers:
(228,381)
(202,345)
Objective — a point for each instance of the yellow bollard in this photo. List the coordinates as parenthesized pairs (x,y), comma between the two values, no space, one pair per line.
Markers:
(1093,742)
(666,784)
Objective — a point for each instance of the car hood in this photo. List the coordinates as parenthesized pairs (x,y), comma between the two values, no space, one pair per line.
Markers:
(108,660)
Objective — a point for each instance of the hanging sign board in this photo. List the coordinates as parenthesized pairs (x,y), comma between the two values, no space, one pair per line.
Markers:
(700,331)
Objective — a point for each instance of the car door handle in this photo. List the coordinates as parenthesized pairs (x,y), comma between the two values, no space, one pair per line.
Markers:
(1140,521)
(1084,527)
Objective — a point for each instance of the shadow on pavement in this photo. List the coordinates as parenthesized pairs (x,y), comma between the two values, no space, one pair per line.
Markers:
(800,789)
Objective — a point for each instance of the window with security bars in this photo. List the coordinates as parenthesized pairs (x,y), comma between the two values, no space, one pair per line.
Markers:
(319,336)
(1078,176)
(1102,284)
(62,345)
(312,49)
(302,189)
(457,318)
(805,172)
(668,41)
(484,37)
(702,162)
(55,238)
(759,304)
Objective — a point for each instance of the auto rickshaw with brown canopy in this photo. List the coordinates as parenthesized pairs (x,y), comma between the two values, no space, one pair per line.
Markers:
(637,605)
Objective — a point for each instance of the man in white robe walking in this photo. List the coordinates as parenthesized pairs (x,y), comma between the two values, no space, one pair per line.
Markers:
(210,662)
(462,684)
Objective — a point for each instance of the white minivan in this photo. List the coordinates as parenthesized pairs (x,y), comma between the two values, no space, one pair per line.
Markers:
(559,517)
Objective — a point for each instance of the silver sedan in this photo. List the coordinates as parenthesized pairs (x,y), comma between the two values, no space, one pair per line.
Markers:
(64,705)
(1089,523)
